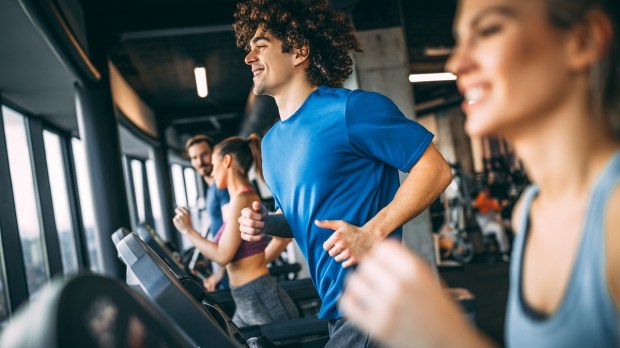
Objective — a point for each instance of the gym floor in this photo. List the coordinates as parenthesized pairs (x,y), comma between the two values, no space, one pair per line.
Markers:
(489,283)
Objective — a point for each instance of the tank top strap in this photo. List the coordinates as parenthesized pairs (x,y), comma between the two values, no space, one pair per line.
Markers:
(603,189)
(528,199)
(522,231)
(593,240)
(246,189)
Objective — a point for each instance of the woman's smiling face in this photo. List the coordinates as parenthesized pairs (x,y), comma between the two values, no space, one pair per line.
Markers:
(511,64)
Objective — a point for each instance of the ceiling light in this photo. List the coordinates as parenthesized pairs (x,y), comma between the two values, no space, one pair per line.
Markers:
(201,81)
(415,78)
(437,51)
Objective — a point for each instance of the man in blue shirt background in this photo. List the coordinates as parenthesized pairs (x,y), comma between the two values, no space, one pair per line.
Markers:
(199,150)
(332,160)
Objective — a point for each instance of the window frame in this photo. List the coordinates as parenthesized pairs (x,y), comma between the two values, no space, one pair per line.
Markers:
(67,166)
(14,273)
(148,207)
(52,263)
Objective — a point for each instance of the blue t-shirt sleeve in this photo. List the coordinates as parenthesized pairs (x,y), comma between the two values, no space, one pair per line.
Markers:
(377,129)
(222,196)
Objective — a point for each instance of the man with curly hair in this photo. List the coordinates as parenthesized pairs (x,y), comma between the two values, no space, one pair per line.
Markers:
(332,160)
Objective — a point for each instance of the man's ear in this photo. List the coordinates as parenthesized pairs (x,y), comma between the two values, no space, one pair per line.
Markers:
(301,54)
(590,40)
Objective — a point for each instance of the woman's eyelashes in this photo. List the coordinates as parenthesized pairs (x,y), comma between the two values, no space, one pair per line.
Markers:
(482,32)
(489,30)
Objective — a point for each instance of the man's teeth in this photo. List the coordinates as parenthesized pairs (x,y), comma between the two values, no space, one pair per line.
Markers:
(472,95)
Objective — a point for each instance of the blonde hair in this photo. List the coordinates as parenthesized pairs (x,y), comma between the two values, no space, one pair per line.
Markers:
(605,74)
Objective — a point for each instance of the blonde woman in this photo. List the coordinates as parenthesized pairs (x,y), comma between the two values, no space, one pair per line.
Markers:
(544,74)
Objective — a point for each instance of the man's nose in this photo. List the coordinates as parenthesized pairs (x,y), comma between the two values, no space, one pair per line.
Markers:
(250,58)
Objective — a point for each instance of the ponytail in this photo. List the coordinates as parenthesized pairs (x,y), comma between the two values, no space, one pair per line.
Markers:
(254,142)
(244,151)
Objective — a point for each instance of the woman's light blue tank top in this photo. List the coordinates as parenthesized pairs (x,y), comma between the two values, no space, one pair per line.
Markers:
(587,315)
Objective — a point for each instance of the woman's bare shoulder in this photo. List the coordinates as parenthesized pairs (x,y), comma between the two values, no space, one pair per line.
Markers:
(243,200)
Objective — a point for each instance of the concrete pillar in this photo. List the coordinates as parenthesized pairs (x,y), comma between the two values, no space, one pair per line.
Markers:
(445,141)
(99,134)
(384,67)
(452,141)
(98,129)
(164,187)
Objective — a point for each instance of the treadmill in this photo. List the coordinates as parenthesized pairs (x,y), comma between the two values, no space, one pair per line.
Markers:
(191,307)
(302,291)
(95,311)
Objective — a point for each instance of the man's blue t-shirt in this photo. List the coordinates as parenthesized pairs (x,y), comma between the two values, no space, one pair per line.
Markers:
(215,199)
(337,158)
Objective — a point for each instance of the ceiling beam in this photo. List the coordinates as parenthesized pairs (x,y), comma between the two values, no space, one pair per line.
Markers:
(206,118)
(172,32)
(124,20)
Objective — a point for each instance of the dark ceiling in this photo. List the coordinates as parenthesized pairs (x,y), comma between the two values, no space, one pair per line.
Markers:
(160,42)
(155,44)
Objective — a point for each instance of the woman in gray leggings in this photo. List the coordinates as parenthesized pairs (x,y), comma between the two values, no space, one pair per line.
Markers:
(258,298)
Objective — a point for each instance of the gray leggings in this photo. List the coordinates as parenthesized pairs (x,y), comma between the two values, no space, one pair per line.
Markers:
(262,301)
(343,333)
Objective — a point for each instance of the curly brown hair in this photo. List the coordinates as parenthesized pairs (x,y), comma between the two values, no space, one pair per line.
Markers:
(297,23)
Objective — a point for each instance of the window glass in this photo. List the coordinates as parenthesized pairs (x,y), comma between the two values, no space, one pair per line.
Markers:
(192,196)
(141,153)
(60,199)
(138,186)
(180,197)
(179,187)
(151,176)
(190,184)
(4,301)
(26,207)
(86,203)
